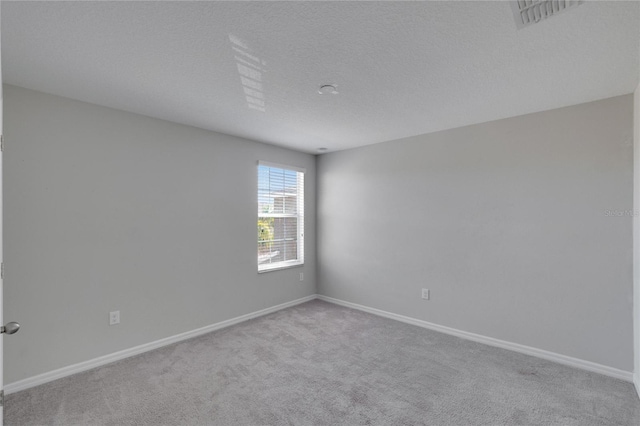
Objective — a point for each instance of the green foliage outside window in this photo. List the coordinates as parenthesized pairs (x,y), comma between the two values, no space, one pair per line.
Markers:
(265,234)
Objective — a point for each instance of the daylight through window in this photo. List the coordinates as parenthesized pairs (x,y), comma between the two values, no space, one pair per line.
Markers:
(280,216)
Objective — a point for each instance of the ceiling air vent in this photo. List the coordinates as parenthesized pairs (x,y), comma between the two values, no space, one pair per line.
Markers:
(529,12)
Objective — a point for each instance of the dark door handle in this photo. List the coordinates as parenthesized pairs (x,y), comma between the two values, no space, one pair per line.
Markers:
(10,328)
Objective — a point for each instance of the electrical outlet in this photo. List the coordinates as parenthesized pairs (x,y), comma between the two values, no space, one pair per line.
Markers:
(425,293)
(114,317)
(301,276)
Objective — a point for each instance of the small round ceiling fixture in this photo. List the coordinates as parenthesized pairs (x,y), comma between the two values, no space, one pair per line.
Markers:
(323,149)
(328,89)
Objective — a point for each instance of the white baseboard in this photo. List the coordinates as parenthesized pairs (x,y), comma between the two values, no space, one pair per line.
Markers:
(527,350)
(116,356)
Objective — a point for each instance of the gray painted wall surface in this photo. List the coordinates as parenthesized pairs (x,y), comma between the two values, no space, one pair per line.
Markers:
(107,210)
(636,236)
(505,222)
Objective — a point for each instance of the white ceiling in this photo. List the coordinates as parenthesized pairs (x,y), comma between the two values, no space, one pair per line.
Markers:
(402,69)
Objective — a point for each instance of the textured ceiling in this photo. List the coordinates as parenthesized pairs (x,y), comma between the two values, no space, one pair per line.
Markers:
(253,69)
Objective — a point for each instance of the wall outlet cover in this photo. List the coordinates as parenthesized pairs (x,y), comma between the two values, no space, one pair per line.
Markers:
(114,317)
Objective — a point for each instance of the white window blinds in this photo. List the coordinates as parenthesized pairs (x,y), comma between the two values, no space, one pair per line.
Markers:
(280,216)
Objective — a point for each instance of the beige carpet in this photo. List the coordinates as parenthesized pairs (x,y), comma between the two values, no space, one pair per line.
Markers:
(321,364)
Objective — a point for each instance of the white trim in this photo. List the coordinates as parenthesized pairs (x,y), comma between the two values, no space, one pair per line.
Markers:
(116,356)
(282,166)
(527,350)
(279,266)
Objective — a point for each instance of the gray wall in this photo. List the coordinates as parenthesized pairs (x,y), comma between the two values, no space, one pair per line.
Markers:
(636,236)
(107,210)
(505,222)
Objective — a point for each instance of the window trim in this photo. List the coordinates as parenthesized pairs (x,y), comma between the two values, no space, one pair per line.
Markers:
(282,166)
(286,264)
(280,265)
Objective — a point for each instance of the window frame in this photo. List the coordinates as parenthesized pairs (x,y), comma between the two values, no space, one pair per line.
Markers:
(299,215)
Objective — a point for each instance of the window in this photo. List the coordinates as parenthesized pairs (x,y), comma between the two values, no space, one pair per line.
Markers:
(280,216)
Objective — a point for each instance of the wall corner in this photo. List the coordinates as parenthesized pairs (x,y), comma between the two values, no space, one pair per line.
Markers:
(636,239)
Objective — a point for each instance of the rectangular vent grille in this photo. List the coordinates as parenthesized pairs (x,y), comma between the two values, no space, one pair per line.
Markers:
(529,12)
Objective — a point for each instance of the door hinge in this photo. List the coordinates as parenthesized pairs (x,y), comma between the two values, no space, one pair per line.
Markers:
(2,143)
(1,398)
(2,270)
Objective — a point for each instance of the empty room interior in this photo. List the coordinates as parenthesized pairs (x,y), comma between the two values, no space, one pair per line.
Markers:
(446,194)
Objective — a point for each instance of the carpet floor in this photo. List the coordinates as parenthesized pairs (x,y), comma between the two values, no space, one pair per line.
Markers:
(322,364)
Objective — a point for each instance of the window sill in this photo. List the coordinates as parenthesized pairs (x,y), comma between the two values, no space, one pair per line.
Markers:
(279,267)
